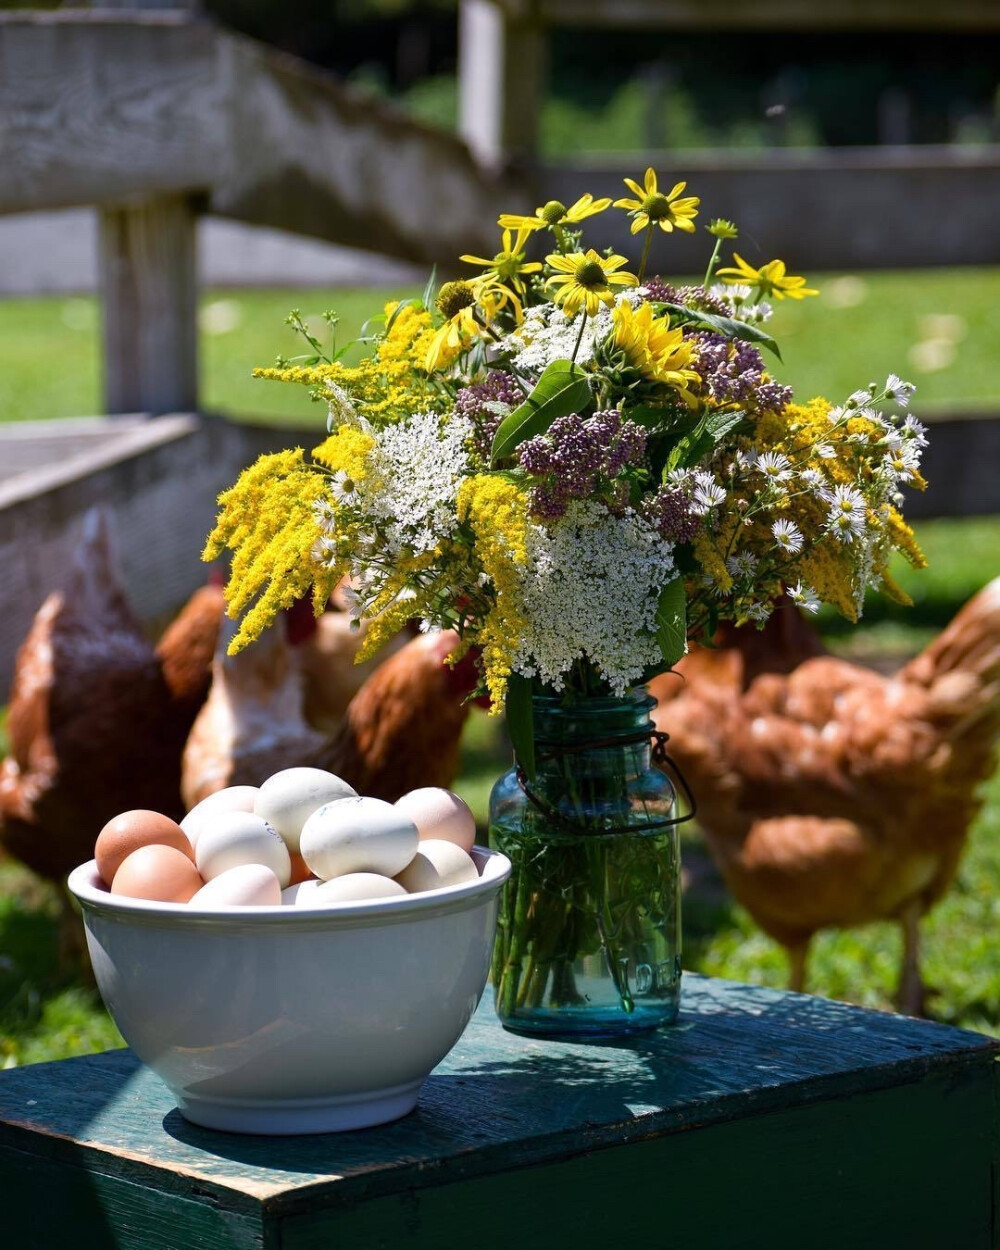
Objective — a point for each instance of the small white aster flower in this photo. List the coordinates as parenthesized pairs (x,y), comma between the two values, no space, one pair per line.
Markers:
(859,399)
(759,611)
(846,518)
(775,466)
(812,478)
(803,597)
(787,536)
(352,599)
(706,497)
(743,565)
(746,459)
(342,487)
(903,461)
(898,390)
(825,451)
(914,430)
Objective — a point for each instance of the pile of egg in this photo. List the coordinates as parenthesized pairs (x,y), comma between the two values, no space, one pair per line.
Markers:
(303,838)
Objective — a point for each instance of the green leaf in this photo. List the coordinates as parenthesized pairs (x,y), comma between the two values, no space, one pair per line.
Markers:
(731,327)
(671,621)
(427,299)
(719,424)
(560,390)
(521,721)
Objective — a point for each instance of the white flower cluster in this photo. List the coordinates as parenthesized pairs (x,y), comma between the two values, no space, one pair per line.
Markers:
(413,475)
(590,588)
(742,302)
(547,334)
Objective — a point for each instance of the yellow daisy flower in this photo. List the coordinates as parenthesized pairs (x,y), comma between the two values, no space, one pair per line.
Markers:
(652,208)
(457,302)
(509,264)
(769,279)
(658,352)
(585,278)
(555,213)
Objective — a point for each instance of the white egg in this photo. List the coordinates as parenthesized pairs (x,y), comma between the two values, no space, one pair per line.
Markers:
(440,814)
(235,838)
(358,835)
(437,863)
(356,887)
(232,799)
(302,894)
(290,797)
(248,885)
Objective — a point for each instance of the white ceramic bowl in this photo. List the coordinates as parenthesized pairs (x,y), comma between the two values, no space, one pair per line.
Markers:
(294,1019)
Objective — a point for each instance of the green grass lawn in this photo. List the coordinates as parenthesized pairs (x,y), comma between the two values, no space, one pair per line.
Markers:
(864,328)
(939,328)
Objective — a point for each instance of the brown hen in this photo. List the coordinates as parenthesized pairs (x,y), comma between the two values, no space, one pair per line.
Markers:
(831,796)
(98,717)
(401,730)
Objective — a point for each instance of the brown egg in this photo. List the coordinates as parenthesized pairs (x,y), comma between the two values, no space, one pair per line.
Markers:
(127,832)
(300,869)
(158,873)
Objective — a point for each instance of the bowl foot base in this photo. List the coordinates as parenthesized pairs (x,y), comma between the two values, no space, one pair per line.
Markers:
(279,1118)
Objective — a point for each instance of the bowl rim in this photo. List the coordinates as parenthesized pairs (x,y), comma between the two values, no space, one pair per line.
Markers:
(86,886)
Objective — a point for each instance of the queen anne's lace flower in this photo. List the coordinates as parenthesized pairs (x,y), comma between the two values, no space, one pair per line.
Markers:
(413,474)
(589,590)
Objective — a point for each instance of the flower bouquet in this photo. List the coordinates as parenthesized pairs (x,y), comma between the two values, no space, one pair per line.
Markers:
(578,467)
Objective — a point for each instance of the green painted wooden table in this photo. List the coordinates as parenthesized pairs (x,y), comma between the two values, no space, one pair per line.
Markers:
(761,1119)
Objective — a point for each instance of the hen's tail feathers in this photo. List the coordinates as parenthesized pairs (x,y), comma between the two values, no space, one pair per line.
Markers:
(961,668)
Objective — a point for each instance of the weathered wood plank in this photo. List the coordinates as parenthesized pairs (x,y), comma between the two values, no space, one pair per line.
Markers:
(724,15)
(63,1204)
(759,1115)
(498,1100)
(790,204)
(150,303)
(100,109)
(501,67)
(905,1167)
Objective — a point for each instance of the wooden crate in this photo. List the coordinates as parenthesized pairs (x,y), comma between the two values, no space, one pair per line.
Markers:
(761,1119)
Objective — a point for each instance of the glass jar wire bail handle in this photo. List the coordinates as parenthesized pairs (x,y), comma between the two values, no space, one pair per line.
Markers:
(665,762)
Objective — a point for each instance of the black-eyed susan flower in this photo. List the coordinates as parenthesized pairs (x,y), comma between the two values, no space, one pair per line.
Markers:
(654,349)
(769,279)
(555,214)
(456,302)
(652,208)
(467,309)
(586,279)
(509,264)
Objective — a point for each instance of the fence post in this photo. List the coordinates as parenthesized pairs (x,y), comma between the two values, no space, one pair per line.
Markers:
(501,66)
(150,295)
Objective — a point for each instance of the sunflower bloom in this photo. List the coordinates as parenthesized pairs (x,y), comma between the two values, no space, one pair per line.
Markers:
(586,279)
(770,279)
(658,352)
(555,213)
(652,208)
(509,264)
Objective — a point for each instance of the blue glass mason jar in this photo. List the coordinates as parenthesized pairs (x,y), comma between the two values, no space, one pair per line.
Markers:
(588,942)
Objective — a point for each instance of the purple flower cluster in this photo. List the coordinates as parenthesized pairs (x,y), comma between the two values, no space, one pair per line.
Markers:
(576,456)
(480,403)
(733,373)
(670,511)
(689,296)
